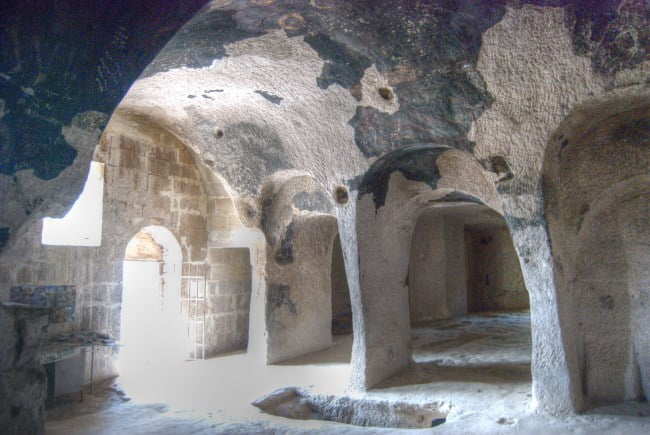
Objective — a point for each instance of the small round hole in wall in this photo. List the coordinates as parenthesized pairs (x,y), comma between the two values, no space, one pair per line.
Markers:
(385,93)
(291,21)
(341,195)
(218,133)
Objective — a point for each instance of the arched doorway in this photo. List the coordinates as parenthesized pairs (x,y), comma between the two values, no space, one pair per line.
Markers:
(596,202)
(151,327)
(414,208)
(462,260)
(468,303)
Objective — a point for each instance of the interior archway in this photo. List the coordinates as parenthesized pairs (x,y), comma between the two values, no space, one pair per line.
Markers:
(152,331)
(414,208)
(462,260)
(596,189)
(468,303)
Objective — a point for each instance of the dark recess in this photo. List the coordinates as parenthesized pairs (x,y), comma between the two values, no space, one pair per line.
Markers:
(4,236)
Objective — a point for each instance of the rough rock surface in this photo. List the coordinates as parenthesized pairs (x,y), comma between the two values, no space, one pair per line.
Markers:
(405,105)
(300,404)
(22,377)
(595,182)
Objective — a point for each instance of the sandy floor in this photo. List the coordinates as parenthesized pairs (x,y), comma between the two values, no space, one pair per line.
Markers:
(476,368)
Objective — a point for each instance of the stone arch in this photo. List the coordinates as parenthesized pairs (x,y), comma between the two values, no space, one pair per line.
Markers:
(462,261)
(392,194)
(155,178)
(596,195)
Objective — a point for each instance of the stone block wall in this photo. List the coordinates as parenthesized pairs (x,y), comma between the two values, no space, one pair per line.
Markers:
(150,178)
(229,272)
(229,298)
(223,219)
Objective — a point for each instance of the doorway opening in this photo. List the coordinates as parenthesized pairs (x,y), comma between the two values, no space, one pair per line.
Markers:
(152,332)
(596,203)
(468,303)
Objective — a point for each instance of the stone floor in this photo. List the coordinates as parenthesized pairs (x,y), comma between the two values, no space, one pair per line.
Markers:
(476,369)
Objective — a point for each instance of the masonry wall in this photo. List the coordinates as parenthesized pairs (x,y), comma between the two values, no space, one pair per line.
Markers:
(229,271)
(150,179)
(229,298)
